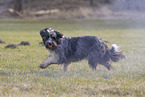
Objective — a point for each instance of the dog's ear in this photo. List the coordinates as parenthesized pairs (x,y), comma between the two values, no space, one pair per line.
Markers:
(42,33)
(59,35)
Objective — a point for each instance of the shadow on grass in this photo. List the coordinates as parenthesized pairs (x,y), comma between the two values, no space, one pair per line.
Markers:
(73,73)
(3,74)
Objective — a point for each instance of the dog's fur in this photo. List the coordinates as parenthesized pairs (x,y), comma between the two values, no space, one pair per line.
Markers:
(64,50)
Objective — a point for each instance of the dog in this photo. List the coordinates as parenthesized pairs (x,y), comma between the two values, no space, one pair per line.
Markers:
(64,50)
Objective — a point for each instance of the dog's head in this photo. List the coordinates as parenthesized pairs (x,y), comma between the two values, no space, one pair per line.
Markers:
(51,38)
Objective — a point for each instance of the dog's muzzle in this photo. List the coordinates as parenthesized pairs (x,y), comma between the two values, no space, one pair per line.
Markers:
(51,45)
(48,45)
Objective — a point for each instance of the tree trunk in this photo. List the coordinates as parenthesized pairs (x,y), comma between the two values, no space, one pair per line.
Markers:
(91,3)
(18,5)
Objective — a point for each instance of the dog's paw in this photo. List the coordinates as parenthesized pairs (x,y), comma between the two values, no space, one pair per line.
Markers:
(42,66)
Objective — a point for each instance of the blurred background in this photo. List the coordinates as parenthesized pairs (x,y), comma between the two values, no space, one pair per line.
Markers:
(73,9)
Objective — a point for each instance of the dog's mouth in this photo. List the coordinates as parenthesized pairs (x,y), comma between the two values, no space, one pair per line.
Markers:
(52,46)
(49,46)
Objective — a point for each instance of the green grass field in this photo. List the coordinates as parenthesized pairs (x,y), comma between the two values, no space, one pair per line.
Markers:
(20,75)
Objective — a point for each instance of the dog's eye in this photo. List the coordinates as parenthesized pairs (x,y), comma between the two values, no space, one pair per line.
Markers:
(45,38)
(53,37)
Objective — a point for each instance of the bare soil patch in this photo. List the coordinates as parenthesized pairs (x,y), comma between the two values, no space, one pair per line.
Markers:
(12,46)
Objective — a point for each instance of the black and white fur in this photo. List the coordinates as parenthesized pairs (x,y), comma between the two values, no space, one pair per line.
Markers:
(64,50)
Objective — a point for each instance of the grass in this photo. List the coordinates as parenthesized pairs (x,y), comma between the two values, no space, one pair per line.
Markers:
(20,75)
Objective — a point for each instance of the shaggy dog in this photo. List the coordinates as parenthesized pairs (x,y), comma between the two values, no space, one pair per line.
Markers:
(64,50)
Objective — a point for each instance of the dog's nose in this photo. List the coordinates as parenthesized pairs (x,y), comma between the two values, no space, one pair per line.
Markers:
(49,43)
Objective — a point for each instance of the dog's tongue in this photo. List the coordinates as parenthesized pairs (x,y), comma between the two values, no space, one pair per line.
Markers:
(50,46)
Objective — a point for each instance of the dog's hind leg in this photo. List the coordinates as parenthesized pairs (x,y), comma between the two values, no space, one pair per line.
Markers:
(108,66)
(65,67)
(93,60)
(93,63)
(94,66)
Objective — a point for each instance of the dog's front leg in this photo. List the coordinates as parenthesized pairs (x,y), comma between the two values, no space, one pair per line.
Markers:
(65,67)
(49,61)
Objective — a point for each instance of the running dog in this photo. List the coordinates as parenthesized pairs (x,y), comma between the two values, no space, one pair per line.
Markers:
(64,50)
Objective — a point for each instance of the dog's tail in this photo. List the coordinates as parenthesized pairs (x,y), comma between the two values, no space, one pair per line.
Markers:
(115,53)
